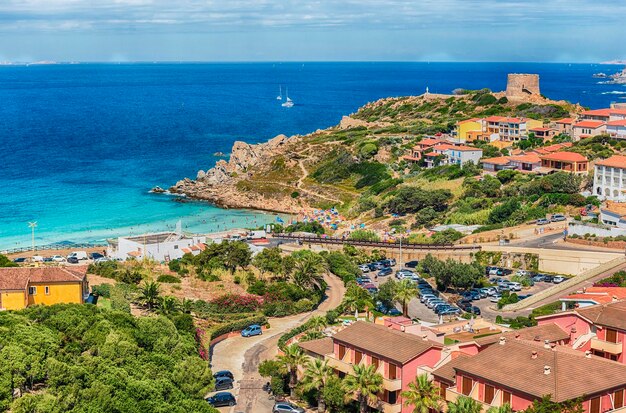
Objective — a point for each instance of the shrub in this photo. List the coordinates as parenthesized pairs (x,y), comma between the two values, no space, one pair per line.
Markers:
(166,278)
(237,325)
(295,194)
(235,303)
(363,235)
(103,290)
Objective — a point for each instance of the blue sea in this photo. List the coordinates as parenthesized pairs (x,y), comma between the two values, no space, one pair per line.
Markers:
(82,144)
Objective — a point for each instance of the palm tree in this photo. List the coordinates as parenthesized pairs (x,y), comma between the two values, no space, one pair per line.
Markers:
(365,384)
(356,298)
(168,305)
(464,404)
(406,290)
(186,305)
(422,395)
(150,294)
(505,408)
(292,358)
(318,323)
(308,271)
(315,377)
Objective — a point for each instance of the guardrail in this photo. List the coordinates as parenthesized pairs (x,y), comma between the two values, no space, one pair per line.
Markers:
(381,244)
(565,285)
(51,247)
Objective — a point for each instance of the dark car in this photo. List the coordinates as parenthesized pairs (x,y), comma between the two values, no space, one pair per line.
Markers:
(224,373)
(95,255)
(385,271)
(548,278)
(286,407)
(19,260)
(223,383)
(474,310)
(411,264)
(222,399)
(72,260)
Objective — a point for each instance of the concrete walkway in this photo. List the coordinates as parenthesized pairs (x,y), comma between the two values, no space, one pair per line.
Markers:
(242,356)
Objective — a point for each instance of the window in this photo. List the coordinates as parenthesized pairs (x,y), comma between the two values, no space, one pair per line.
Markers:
(175,247)
(358,356)
(375,362)
(32,290)
(342,351)
(47,290)
(489,392)
(594,405)
(611,335)
(392,397)
(393,371)
(506,397)
(618,399)
(467,384)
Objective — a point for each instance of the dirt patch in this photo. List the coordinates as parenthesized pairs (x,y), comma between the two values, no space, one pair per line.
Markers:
(619,245)
(195,289)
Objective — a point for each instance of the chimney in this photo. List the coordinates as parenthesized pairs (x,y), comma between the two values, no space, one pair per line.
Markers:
(537,338)
(615,298)
(502,340)
(588,354)
(546,344)
(547,370)
(518,336)
(573,329)
(533,354)
(425,337)
(553,346)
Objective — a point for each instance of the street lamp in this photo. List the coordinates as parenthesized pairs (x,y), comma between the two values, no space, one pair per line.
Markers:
(32,226)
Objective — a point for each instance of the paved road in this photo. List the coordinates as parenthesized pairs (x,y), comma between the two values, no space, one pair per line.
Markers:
(242,355)
(555,242)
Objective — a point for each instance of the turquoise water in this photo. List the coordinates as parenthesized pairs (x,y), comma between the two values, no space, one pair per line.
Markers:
(83,144)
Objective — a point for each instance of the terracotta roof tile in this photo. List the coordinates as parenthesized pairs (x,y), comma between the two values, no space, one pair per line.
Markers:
(609,315)
(550,332)
(512,365)
(500,160)
(447,371)
(565,157)
(617,123)
(566,121)
(593,124)
(321,347)
(597,112)
(17,278)
(615,161)
(388,343)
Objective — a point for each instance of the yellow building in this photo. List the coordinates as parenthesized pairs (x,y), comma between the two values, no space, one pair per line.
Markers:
(469,125)
(22,286)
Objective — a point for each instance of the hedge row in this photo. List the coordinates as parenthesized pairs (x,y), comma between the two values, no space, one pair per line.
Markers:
(238,325)
(282,341)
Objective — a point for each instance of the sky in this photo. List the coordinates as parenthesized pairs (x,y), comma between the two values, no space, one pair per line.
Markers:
(313,30)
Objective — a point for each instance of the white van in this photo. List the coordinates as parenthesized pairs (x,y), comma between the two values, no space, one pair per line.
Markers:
(80,255)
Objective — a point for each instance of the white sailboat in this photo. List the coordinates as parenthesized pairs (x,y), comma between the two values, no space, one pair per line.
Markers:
(280,93)
(288,103)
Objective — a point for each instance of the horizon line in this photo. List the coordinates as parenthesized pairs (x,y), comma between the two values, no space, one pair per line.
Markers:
(44,62)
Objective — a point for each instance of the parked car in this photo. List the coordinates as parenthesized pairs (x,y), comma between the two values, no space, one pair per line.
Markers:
(80,255)
(19,260)
(424,297)
(222,399)
(411,264)
(522,273)
(372,290)
(558,217)
(379,266)
(102,259)
(390,262)
(224,383)
(548,278)
(451,311)
(491,291)
(513,286)
(384,272)
(286,407)
(47,259)
(72,260)
(364,268)
(95,255)
(538,278)
(372,266)
(523,296)
(495,298)
(224,373)
(543,221)
(37,258)
(253,330)
(58,258)
(558,279)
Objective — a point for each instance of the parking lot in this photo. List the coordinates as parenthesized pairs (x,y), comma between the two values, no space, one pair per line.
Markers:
(482,303)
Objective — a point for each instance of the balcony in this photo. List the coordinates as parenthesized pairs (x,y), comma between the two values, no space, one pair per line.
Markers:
(388,408)
(392,385)
(452,395)
(340,365)
(607,347)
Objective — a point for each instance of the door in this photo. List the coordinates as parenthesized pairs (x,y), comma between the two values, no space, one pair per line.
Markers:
(466,386)
(489,392)
(594,405)
(393,371)
(618,399)
(611,335)
(506,397)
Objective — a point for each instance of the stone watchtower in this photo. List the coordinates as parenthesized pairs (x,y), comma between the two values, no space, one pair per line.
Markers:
(522,85)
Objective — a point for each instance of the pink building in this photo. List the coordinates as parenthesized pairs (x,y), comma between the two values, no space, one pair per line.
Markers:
(397,356)
(600,329)
(517,372)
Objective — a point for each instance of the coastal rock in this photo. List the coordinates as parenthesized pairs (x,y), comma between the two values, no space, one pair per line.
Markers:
(347,122)
(200,175)
(157,190)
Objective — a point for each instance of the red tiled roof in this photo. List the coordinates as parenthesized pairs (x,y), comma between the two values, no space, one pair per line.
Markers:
(468,120)
(615,161)
(17,278)
(500,160)
(617,123)
(429,141)
(527,158)
(540,129)
(598,112)
(564,157)
(464,148)
(320,346)
(609,315)
(589,124)
(565,121)
(443,146)
(617,111)
(495,118)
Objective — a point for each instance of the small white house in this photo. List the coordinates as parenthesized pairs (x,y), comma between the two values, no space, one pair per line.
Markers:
(461,154)
(162,246)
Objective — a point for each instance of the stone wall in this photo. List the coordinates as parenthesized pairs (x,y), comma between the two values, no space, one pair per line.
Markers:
(522,85)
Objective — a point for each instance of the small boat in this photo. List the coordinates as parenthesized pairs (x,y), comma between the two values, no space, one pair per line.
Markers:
(289,102)
(280,93)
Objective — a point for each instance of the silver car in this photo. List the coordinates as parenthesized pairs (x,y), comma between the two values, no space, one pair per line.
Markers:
(286,407)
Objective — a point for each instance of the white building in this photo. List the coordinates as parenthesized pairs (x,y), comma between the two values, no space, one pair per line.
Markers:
(163,246)
(617,129)
(614,215)
(609,181)
(461,154)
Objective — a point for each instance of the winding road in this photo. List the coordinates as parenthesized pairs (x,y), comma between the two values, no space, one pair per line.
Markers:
(242,355)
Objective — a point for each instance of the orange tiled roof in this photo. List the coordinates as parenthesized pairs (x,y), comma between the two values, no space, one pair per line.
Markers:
(468,120)
(589,124)
(465,148)
(540,129)
(429,141)
(617,123)
(564,157)
(495,118)
(17,278)
(565,121)
(527,158)
(618,111)
(598,112)
(499,160)
(615,161)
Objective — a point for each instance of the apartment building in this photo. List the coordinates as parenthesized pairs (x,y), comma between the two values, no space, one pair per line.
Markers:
(609,180)
(616,128)
(587,129)
(517,372)
(564,126)
(397,356)
(565,161)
